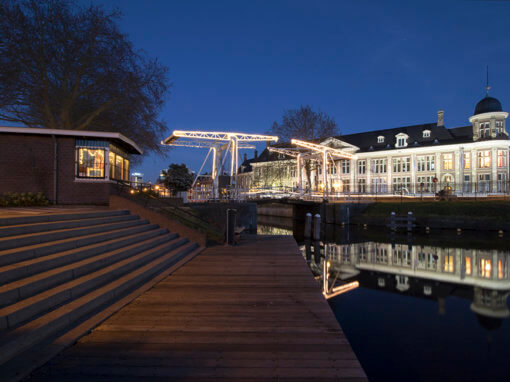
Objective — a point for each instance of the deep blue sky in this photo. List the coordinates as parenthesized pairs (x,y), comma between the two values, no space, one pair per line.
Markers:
(237,65)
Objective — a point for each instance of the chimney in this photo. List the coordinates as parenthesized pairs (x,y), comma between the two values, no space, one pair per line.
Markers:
(244,157)
(255,154)
(440,118)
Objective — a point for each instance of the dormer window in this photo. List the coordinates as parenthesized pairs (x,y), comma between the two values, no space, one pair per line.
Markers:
(380,139)
(401,140)
(426,133)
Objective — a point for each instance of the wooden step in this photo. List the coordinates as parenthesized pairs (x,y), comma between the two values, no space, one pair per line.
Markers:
(36,331)
(13,315)
(10,256)
(30,239)
(29,286)
(12,272)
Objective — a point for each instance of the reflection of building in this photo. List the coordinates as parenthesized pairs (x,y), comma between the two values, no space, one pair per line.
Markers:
(426,271)
(412,159)
(67,166)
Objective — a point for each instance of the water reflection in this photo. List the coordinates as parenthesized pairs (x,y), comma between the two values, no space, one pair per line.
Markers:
(419,270)
(438,300)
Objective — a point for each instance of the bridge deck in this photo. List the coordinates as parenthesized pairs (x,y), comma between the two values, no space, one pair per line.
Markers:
(252,312)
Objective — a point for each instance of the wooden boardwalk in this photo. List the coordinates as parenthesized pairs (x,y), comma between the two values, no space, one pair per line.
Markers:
(252,312)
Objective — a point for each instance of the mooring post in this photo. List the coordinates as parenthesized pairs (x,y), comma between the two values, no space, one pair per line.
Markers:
(231,225)
(308,226)
(317,227)
(393,223)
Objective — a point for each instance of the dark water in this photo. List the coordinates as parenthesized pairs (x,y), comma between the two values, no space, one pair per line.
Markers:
(427,308)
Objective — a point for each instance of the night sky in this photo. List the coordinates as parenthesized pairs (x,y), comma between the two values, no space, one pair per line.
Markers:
(237,65)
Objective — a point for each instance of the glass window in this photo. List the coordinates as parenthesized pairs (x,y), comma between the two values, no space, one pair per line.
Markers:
(345,166)
(467,160)
(485,268)
(111,162)
(484,159)
(380,139)
(361,167)
(448,263)
(468,265)
(90,163)
(502,158)
(379,166)
(447,161)
(401,142)
(426,133)
(425,163)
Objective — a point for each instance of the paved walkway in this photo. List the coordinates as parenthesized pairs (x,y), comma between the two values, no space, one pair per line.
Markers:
(252,312)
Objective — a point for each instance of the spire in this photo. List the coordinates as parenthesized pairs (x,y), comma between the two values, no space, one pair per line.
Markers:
(487,87)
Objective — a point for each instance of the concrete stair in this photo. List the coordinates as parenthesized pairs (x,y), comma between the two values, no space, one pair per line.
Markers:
(59,270)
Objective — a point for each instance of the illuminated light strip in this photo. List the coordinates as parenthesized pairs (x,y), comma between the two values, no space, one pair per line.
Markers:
(323,149)
(341,289)
(203,145)
(220,136)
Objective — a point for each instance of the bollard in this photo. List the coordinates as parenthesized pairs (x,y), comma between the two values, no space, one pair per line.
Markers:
(231,225)
(500,233)
(308,225)
(459,231)
(427,229)
(317,227)
(393,223)
(364,226)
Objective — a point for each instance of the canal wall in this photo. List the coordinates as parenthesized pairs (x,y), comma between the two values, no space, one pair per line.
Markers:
(216,213)
(448,222)
(331,213)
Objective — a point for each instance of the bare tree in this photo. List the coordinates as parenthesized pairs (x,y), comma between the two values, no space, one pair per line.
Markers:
(65,67)
(306,124)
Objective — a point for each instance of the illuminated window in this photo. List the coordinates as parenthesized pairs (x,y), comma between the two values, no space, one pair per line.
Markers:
(485,268)
(90,163)
(467,160)
(502,158)
(119,164)
(484,159)
(468,265)
(448,263)
(447,161)
(500,269)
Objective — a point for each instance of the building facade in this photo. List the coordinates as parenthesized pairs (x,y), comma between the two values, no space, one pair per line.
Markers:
(410,160)
(67,166)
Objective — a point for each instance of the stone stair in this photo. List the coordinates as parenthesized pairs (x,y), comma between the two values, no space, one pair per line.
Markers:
(59,270)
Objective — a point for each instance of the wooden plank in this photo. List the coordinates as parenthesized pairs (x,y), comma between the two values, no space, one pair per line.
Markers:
(252,312)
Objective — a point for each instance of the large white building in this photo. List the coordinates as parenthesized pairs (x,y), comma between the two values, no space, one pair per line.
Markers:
(416,159)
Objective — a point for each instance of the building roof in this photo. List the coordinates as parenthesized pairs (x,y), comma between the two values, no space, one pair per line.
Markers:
(439,135)
(127,143)
(488,105)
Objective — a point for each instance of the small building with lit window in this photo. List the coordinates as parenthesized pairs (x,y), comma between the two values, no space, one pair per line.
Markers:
(67,166)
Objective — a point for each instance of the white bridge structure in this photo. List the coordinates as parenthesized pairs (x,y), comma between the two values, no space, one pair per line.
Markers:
(312,151)
(221,145)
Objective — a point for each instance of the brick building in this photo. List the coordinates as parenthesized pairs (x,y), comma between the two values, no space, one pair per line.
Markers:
(68,166)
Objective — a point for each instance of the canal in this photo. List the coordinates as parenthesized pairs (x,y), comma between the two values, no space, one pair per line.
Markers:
(415,307)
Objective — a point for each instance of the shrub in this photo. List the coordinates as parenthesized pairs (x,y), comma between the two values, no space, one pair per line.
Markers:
(14,199)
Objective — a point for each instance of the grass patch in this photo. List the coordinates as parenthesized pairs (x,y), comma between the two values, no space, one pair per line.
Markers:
(474,209)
